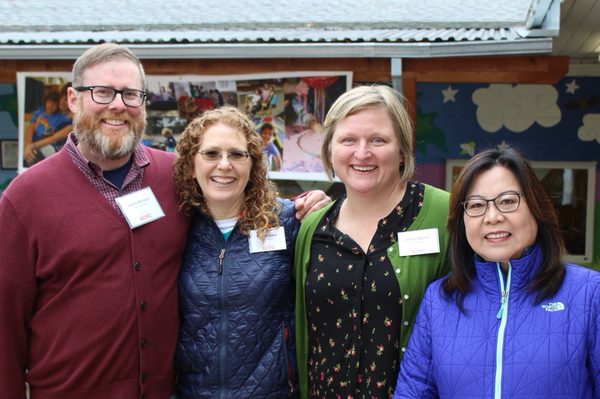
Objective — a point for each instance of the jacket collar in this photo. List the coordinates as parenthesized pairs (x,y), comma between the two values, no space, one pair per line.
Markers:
(523,271)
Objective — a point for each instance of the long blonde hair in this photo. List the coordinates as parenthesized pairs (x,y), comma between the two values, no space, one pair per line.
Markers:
(260,207)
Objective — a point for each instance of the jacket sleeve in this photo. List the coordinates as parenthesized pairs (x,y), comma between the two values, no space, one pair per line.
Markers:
(17,293)
(594,344)
(287,218)
(415,379)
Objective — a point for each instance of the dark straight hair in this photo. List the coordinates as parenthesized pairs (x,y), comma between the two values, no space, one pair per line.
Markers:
(461,255)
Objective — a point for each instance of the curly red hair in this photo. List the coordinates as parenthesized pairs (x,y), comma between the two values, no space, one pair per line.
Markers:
(260,207)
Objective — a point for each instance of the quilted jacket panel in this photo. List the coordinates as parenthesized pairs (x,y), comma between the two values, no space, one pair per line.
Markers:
(550,349)
(236,338)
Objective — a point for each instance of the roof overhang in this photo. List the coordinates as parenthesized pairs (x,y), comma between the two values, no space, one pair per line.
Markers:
(291,50)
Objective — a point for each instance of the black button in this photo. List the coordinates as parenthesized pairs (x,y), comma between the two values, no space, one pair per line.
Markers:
(137,266)
(143,306)
(142,343)
(143,378)
(142,396)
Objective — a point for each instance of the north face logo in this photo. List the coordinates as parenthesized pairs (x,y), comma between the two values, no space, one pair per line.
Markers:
(553,306)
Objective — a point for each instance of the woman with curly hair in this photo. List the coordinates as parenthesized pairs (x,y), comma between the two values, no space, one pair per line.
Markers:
(235,287)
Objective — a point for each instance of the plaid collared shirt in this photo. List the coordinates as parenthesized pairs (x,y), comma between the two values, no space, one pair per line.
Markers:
(93,172)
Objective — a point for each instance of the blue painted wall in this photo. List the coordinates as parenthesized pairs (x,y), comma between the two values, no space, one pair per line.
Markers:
(8,125)
(547,122)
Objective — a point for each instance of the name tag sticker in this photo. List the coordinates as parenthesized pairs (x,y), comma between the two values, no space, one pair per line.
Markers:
(418,242)
(140,207)
(274,241)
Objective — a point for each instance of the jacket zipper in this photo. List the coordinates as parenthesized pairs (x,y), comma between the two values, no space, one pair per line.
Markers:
(502,315)
(220,263)
(222,329)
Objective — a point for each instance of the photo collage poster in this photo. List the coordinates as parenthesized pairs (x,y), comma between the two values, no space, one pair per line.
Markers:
(287,108)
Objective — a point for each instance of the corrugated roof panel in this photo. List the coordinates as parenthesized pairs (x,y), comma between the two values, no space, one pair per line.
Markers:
(207,36)
(308,28)
(70,14)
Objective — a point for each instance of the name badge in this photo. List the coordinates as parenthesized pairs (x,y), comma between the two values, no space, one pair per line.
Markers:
(274,241)
(140,207)
(418,242)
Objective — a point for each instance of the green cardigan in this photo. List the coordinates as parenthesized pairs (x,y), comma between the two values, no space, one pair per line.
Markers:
(414,273)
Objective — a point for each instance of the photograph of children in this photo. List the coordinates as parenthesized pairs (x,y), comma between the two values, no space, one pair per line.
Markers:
(261,98)
(173,101)
(161,95)
(289,107)
(195,97)
(163,129)
(271,131)
(306,102)
(44,115)
(292,107)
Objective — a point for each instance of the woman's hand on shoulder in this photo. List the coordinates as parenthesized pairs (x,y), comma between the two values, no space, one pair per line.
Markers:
(310,201)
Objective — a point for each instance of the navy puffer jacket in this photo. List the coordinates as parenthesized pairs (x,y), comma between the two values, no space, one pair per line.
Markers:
(236,338)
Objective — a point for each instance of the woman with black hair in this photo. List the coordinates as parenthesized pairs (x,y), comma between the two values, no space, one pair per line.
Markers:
(511,320)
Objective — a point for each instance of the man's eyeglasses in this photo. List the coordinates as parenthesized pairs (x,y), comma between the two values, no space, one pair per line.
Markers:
(505,202)
(216,156)
(106,95)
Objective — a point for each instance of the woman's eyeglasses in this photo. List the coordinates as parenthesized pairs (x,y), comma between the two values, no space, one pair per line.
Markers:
(505,202)
(216,156)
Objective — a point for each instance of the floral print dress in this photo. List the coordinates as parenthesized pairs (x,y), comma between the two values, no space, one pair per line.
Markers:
(354,307)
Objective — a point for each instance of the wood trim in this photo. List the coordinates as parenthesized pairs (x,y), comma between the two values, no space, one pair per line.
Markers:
(409,91)
(496,69)
(364,69)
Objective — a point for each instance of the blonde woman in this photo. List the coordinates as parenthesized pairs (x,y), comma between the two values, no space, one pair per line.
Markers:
(357,289)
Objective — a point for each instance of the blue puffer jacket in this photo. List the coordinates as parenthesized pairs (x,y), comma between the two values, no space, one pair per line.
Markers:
(236,338)
(517,350)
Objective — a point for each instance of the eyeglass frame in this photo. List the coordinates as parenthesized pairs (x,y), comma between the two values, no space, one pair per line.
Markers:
(228,155)
(115,91)
(487,203)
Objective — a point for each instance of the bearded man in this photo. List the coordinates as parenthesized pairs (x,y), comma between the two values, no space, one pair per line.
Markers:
(90,251)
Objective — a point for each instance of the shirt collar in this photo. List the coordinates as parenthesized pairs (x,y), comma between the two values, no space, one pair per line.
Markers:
(140,159)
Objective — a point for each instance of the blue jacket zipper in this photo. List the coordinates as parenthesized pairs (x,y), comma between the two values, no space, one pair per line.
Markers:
(502,315)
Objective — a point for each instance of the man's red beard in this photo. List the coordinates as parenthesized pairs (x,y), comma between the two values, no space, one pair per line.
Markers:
(87,128)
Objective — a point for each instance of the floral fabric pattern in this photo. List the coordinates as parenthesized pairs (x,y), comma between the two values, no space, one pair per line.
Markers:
(354,307)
